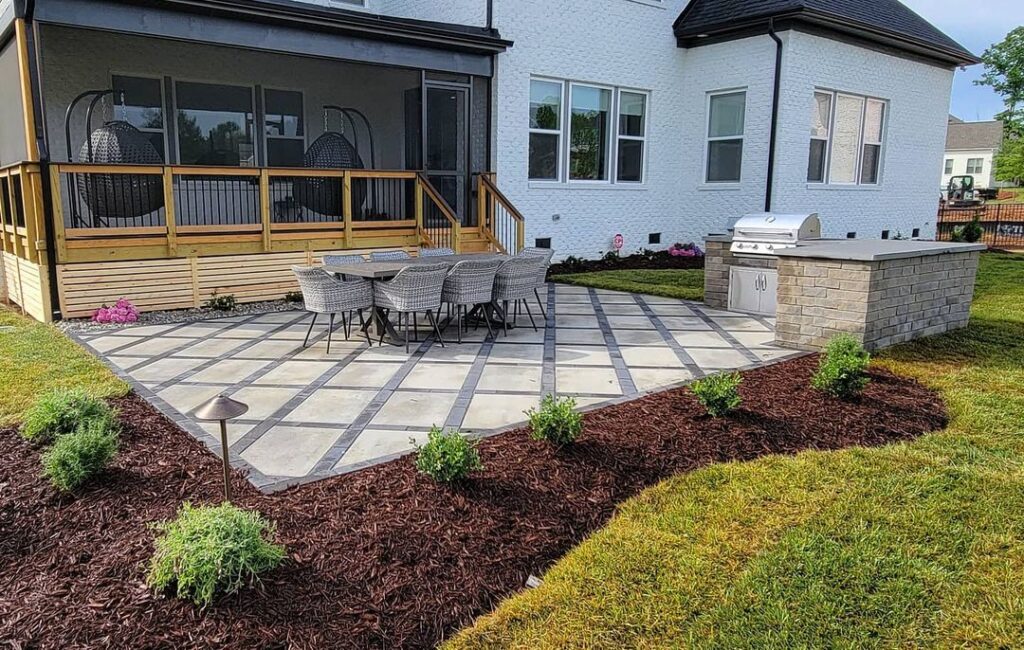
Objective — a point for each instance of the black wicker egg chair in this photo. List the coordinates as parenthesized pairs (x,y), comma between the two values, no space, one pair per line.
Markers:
(117,196)
(333,150)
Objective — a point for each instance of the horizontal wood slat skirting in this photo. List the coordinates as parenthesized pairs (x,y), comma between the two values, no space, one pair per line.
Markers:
(27,285)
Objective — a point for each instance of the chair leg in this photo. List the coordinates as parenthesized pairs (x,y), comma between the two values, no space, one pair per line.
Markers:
(526,305)
(433,322)
(415,326)
(311,324)
(406,331)
(458,314)
(364,328)
(504,310)
(487,320)
(344,324)
(330,332)
(540,303)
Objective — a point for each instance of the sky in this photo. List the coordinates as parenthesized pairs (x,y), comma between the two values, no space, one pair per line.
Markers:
(975,24)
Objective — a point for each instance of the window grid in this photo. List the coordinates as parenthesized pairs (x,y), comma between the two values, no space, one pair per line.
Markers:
(735,137)
(863,139)
(949,166)
(975,165)
(622,137)
(612,140)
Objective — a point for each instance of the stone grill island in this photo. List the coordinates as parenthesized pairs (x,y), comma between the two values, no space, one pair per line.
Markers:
(883,292)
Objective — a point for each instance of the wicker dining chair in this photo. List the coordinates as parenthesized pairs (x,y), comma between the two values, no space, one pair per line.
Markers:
(325,294)
(416,289)
(436,252)
(542,277)
(389,256)
(515,282)
(470,284)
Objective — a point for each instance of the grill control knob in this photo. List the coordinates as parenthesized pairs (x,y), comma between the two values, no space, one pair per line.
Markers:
(755,247)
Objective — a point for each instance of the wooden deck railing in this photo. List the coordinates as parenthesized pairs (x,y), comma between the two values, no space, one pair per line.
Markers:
(125,212)
(500,221)
(22,230)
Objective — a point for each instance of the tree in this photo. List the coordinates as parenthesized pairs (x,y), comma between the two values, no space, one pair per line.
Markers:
(1004,72)
(1009,161)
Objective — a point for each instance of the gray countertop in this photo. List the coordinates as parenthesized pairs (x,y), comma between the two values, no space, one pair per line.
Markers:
(866,250)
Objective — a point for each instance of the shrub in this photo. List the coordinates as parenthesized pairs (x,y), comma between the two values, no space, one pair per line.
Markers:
(719,393)
(970,232)
(78,457)
(60,412)
(447,457)
(843,366)
(293,297)
(212,550)
(556,421)
(221,303)
(122,313)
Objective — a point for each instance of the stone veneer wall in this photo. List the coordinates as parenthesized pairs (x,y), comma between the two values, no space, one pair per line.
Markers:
(881,303)
(717,261)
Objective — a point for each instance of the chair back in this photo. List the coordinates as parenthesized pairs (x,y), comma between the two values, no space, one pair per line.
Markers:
(389,256)
(542,254)
(416,288)
(324,294)
(470,282)
(516,278)
(343,260)
(436,252)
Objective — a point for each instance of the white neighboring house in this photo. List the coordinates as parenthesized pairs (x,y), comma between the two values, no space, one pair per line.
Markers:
(683,93)
(970,151)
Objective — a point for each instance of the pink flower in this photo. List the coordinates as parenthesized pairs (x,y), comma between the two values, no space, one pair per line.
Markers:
(122,312)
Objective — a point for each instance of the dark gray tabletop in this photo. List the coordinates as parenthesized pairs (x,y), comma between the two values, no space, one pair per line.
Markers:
(389,269)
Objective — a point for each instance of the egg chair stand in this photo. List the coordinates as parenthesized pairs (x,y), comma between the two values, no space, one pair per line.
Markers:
(112,196)
(334,150)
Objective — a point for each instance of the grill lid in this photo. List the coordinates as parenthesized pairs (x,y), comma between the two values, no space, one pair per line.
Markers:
(765,232)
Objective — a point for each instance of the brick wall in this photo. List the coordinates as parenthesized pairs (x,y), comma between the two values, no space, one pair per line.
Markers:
(880,303)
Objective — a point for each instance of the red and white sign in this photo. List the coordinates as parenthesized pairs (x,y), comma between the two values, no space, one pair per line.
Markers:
(619,242)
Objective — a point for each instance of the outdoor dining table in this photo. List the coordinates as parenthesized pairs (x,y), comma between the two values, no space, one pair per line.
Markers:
(386,270)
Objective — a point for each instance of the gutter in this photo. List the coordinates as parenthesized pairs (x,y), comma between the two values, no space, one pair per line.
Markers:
(776,91)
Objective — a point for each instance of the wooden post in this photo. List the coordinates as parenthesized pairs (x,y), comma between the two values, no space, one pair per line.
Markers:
(28,207)
(481,203)
(58,214)
(419,208)
(170,216)
(346,207)
(28,108)
(265,211)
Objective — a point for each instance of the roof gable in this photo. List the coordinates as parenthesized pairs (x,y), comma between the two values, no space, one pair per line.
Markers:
(979,136)
(889,22)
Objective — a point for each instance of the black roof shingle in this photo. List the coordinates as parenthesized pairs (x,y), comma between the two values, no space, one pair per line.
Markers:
(889,22)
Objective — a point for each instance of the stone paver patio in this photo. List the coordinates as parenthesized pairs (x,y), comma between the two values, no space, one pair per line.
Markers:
(314,415)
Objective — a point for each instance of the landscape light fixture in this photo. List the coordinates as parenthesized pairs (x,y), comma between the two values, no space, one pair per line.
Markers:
(221,409)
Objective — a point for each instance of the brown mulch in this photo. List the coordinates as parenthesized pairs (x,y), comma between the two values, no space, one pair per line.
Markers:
(384,557)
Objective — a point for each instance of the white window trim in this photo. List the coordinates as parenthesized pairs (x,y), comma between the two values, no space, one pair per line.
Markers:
(164,108)
(565,138)
(858,182)
(708,139)
(266,137)
(631,138)
(560,132)
(948,166)
(980,167)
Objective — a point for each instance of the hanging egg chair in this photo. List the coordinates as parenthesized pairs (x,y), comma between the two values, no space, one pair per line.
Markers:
(118,196)
(332,150)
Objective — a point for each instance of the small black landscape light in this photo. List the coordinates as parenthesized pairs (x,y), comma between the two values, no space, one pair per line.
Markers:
(221,409)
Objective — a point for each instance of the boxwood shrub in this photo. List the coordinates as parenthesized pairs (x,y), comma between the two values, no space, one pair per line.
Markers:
(76,458)
(556,421)
(447,457)
(842,371)
(60,412)
(212,550)
(719,393)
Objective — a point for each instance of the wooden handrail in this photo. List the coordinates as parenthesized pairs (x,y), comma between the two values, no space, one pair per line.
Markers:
(490,198)
(425,187)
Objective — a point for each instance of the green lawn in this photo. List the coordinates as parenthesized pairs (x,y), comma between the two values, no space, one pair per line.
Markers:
(912,545)
(35,357)
(684,284)
(1018,196)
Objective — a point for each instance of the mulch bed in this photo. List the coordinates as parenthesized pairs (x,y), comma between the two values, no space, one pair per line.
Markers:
(660,260)
(384,557)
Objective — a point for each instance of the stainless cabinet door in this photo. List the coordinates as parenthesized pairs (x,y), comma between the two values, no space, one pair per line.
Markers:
(744,293)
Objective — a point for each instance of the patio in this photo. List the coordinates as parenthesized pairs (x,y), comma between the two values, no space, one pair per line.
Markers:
(314,415)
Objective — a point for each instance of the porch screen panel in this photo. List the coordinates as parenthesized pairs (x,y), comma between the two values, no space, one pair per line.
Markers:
(215,124)
(285,128)
(12,118)
(140,102)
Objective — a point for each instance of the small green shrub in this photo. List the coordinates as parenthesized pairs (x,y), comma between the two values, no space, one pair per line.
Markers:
(75,458)
(212,550)
(221,303)
(447,457)
(60,412)
(557,421)
(843,367)
(719,393)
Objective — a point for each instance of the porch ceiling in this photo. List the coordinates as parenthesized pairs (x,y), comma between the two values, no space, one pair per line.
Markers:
(289,27)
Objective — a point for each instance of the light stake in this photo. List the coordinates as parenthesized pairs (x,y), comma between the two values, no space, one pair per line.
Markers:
(221,409)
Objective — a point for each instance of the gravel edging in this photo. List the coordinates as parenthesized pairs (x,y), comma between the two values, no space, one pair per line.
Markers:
(176,316)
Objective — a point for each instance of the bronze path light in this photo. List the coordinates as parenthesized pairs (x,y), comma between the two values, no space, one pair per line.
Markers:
(221,409)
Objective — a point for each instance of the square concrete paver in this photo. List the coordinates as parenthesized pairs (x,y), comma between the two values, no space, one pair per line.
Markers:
(314,413)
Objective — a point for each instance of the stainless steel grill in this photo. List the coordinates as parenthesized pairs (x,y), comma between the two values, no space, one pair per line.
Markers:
(765,233)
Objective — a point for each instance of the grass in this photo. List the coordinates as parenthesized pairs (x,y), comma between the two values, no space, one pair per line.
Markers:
(916,545)
(1018,196)
(683,284)
(35,358)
